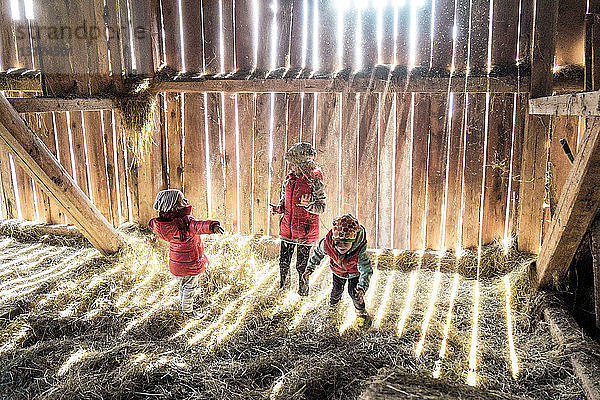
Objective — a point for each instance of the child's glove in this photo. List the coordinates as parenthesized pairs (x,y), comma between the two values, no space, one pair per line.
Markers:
(276,209)
(359,295)
(306,274)
(216,228)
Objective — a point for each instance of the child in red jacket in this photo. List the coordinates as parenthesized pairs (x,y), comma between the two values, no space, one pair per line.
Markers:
(302,200)
(346,246)
(187,260)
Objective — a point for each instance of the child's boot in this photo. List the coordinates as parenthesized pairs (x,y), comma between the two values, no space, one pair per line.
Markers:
(363,321)
(303,287)
(194,314)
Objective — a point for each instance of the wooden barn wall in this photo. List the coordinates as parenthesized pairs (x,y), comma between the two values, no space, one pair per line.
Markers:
(419,170)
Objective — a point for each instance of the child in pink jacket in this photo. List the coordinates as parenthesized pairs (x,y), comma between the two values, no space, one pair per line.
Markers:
(187,260)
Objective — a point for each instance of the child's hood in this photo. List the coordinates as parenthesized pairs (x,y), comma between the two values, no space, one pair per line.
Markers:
(360,240)
(168,224)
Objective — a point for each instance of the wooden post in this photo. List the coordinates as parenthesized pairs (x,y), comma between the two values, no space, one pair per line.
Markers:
(41,164)
(535,146)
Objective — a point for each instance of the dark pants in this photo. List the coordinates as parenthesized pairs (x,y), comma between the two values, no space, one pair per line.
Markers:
(338,290)
(285,258)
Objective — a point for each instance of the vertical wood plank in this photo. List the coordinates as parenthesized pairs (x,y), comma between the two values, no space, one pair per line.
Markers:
(63,141)
(349,156)
(246,105)
(145,41)
(455,173)
(8,46)
(56,214)
(81,173)
(402,39)
(497,167)
(420,138)
(521,121)
(436,171)
(121,165)
(9,199)
(367,164)
(308,118)
(244,51)
(111,166)
(368,18)
(385,196)
(25,190)
(261,164)
(402,171)
(386,16)
(327,33)
(350,37)
(423,35)
(112,23)
(499,135)
(97,162)
(194,154)
(174,130)
(328,153)
(473,171)
(278,165)
(42,201)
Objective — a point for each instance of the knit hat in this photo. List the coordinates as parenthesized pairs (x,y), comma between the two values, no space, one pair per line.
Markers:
(299,154)
(167,199)
(345,228)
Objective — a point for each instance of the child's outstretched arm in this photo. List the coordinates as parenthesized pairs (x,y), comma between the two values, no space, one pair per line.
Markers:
(365,270)
(205,227)
(315,259)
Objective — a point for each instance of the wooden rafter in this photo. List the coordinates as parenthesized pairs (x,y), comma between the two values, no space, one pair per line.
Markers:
(356,85)
(40,104)
(584,104)
(29,151)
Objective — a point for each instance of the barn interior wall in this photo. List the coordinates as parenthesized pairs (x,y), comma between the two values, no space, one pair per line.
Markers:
(438,171)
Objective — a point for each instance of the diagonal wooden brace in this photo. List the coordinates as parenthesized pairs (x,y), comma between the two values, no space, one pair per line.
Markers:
(41,165)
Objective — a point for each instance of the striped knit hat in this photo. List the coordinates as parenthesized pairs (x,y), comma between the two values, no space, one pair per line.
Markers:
(167,199)
(345,228)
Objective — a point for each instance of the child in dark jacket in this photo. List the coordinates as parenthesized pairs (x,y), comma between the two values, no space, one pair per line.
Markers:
(187,260)
(302,200)
(346,246)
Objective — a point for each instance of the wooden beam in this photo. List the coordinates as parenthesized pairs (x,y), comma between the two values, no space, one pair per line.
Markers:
(354,85)
(40,104)
(582,350)
(575,211)
(584,104)
(41,164)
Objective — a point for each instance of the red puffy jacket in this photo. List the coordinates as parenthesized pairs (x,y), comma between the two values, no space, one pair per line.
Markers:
(182,231)
(298,224)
